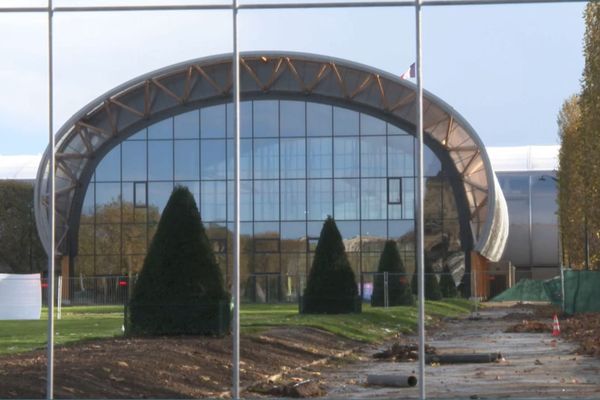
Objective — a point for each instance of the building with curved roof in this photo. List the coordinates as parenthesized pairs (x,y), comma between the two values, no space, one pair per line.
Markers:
(319,136)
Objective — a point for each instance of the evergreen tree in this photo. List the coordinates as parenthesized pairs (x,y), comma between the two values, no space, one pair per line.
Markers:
(399,293)
(447,284)
(180,289)
(432,286)
(331,286)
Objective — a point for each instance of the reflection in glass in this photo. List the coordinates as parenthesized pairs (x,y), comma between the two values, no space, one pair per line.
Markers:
(212,122)
(320,199)
(213,201)
(187,159)
(108,202)
(293,158)
(266,200)
(371,126)
(134,161)
(266,118)
(292,114)
(345,157)
(318,119)
(212,159)
(346,193)
(109,168)
(293,200)
(161,130)
(160,160)
(431,164)
(401,151)
(186,126)
(373,156)
(266,158)
(245,119)
(319,157)
(373,235)
(345,122)
(158,194)
(373,199)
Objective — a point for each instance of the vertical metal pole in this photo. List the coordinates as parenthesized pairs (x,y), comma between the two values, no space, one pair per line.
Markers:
(587,240)
(386,294)
(51,256)
(235,393)
(420,203)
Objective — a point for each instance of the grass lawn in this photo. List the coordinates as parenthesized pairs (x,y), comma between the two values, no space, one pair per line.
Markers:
(92,322)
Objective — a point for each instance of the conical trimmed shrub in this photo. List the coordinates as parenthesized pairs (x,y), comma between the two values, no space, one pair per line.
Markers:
(399,293)
(432,286)
(180,288)
(447,284)
(331,287)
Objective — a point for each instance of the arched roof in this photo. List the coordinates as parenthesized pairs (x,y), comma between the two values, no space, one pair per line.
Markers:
(94,130)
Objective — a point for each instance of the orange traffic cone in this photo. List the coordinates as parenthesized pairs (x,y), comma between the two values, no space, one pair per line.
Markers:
(555,326)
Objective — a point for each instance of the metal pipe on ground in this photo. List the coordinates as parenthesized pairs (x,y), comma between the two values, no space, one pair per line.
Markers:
(463,358)
(392,380)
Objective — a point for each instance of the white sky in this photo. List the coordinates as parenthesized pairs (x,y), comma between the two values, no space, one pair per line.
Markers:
(506,69)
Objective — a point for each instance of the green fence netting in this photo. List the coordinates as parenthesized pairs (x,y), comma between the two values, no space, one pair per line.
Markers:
(582,291)
(525,290)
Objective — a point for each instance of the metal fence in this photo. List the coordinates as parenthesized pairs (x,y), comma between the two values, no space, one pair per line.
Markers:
(260,288)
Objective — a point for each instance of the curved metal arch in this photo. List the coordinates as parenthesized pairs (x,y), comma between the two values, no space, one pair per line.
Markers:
(83,139)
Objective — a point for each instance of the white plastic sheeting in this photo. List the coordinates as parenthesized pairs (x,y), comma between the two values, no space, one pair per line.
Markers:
(20,296)
(524,158)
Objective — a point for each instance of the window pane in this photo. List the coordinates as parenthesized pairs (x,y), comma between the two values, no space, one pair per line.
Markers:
(212,122)
(346,194)
(408,198)
(212,159)
(318,119)
(160,160)
(346,157)
(373,236)
(345,122)
(161,130)
(158,195)
(245,119)
(187,125)
(371,126)
(319,199)
(394,130)
(245,159)
(373,199)
(319,158)
(394,189)
(401,156)
(140,195)
(134,161)
(87,210)
(432,165)
(266,200)
(141,135)
(293,158)
(293,118)
(187,159)
(266,118)
(213,201)
(109,168)
(293,200)
(108,202)
(266,158)
(194,188)
(373,156)
(293,237)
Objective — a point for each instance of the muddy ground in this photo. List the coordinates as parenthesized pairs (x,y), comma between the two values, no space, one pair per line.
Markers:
(174,367)
(536,366)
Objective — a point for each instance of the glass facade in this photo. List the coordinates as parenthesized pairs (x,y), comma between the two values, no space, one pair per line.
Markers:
(300,162)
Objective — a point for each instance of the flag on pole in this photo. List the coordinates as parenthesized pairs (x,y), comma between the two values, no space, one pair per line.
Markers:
(409,73)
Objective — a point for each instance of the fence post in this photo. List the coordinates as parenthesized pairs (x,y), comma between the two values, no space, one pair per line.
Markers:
(386,299)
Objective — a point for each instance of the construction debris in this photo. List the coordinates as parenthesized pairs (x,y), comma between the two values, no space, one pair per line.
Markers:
(392,380)
(463,358)
(403,352)
(530,327)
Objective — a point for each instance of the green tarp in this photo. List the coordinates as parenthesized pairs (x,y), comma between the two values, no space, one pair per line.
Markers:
(582,291)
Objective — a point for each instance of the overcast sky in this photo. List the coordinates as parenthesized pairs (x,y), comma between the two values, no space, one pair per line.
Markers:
(506,69)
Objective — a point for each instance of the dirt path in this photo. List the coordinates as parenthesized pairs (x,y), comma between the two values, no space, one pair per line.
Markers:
(536,366)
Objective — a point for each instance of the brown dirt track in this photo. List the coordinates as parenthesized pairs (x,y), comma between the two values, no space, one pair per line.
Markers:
(174,367)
